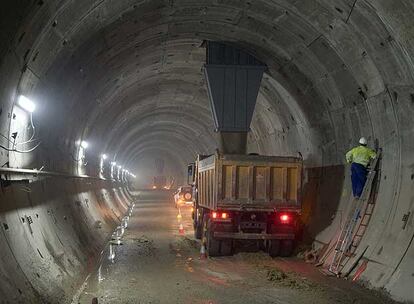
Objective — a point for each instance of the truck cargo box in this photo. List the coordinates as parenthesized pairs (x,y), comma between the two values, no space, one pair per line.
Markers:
(249,182)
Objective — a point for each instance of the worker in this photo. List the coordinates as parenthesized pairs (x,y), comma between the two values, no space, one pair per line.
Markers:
(359,158)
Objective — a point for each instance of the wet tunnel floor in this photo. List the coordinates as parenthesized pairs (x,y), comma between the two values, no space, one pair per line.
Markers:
(157,264)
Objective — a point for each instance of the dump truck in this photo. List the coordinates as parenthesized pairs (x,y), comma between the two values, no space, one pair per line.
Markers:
(246,197)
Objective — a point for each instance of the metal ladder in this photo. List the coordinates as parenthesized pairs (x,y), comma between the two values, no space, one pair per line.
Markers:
(345,243)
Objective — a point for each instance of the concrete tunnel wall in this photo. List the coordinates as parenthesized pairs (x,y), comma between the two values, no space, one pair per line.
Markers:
(52,234)
(126,76)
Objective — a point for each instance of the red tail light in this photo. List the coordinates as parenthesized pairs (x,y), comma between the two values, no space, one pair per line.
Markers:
(285,218)
(220,216)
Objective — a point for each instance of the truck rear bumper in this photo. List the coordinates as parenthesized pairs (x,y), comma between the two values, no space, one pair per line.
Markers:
(253,236)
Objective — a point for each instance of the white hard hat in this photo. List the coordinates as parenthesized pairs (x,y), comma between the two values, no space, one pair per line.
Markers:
(363,141)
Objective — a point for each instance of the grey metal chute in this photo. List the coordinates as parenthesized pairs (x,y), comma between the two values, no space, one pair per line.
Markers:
(233,80)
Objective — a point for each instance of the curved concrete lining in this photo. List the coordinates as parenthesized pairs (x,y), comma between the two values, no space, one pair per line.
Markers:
(126,76)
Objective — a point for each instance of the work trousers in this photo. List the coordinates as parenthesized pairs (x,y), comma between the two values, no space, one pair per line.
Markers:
(358,177)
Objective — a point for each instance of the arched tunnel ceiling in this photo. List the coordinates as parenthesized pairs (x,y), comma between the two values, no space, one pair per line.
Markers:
(129,63)
(121,61)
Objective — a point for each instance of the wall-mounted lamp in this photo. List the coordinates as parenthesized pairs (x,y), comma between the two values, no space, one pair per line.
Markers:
(84,144)
(26,104)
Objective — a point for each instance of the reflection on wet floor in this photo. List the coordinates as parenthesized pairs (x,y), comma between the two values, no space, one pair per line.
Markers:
(158,261)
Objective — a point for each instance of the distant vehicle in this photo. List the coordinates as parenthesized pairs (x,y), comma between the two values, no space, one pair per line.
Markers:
(247,197)
(184,196)
(160,182)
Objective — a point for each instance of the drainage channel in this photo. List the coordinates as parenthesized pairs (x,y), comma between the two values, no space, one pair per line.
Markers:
(108,252)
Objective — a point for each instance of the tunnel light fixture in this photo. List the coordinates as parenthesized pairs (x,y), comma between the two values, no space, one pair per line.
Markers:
(26,104)
(113,163)
(84,144)
(104,156)
(119,166)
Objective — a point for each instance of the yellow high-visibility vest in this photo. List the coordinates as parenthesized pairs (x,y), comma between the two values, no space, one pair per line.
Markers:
(360,155)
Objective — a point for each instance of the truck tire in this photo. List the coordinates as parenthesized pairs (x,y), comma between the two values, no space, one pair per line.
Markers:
(198,224)
(212,244)
(226,247)
(198,230)
(261,245)
(286,248)
(273,248)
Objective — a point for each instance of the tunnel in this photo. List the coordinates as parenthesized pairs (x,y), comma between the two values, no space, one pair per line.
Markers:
(118,84)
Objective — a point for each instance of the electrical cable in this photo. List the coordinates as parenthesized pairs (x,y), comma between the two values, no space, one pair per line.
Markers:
(5,137)
(28,151)
(74,159)
(33,134)
(7,149)
(31,139)
(20,151)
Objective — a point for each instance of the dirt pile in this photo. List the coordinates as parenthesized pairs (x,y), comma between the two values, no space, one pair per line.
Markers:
(290,280)
(267,266)
(191,243)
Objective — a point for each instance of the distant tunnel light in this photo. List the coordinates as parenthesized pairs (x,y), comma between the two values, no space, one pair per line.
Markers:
(104,156)
(113,163)
(26,104)
(84,144)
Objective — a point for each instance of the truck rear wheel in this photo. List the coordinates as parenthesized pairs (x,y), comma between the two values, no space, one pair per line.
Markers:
(213,245)
(226,247)
(198,225)
(273,248)
(198,232)
(286,248)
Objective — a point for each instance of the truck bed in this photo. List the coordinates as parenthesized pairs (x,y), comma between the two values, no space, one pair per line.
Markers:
(250,182)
